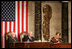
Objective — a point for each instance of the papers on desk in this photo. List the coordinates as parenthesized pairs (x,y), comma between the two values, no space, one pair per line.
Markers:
(38,41)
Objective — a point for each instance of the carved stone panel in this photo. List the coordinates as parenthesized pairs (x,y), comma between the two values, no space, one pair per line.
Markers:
(47,14)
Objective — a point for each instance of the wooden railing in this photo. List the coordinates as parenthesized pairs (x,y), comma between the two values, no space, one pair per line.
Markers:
(39,45)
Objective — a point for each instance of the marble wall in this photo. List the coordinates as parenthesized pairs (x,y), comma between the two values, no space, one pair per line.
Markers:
(31,16)
(69,20)
(56,19)
(55,22)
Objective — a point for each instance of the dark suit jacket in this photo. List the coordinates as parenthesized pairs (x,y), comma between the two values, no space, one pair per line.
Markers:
(27,38)
(53,40)
(32,39)
(10,40)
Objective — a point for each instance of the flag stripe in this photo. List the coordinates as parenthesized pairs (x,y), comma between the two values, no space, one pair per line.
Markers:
(1,34)
(26,16)
(18,18)
(10,26)
(14,27)
(22,16)
(7,26)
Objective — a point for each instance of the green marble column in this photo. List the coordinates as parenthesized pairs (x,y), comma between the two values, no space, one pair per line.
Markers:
(65,22)
(37,20)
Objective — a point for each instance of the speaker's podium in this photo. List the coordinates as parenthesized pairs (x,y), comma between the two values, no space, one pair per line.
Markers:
(38,45)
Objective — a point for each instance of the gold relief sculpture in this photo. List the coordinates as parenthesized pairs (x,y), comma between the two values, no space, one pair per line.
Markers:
(47,14)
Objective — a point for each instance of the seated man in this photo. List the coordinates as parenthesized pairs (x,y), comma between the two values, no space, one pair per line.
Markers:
(12,38)
(31,38)
(56,39)
(28,37)
(7,38)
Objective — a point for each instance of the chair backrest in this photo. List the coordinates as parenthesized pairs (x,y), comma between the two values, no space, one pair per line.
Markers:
(22,35)
(8,34)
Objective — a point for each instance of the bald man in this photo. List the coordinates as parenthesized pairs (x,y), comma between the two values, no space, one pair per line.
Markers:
(29,37)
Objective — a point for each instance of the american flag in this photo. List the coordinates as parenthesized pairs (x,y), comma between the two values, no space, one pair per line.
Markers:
(14,17)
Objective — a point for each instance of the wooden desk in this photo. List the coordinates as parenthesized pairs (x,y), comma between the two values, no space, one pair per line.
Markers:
(62,45)
(38,45)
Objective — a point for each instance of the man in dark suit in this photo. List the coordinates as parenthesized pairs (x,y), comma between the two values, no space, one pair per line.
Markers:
(28,37)
(11,39)
(56,39)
